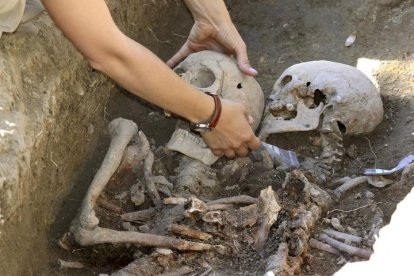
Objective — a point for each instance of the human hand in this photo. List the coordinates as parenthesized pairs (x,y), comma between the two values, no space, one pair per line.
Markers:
(233,135)
(213,30)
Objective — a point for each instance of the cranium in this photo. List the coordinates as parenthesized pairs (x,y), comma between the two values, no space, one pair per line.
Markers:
(348,102)
(216,73)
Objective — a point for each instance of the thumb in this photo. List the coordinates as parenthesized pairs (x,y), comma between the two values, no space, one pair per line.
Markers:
(243,61)
(180,55)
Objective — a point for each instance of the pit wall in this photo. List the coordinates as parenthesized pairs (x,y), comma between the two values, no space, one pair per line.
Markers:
(51,108)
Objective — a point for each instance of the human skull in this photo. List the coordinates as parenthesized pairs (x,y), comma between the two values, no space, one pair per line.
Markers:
(213,72)
(347,100)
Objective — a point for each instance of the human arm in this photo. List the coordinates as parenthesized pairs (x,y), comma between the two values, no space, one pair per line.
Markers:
(213,30)
(90,27)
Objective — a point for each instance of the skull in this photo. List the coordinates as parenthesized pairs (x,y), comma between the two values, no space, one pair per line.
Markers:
(213,72)
(343,96)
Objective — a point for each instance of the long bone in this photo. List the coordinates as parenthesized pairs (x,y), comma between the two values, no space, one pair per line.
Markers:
(121,132)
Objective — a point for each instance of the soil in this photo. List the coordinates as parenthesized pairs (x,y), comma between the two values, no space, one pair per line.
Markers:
(279,34)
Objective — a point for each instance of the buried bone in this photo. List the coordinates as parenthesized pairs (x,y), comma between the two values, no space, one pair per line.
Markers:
(85,228)
(352,104)
(268,210)
(360,252)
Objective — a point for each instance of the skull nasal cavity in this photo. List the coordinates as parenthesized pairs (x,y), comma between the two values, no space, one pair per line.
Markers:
(319,97)
(204,78)
(286,80)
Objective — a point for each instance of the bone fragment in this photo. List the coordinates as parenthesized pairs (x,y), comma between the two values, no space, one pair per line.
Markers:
(349,185)
(241,199)
(143,215)
(193,177)
(363,253)
(149,181)
(336,224)
(178,272)
(138,193)
(213,217)
(63,242)
(323,246)
(102,235)
(191,145)
(72,265)
(288,178)
(376,224)
(268,213)
(185,231)
(133,156)
(174,201)
(378,181)
(278,263)
(333,149)
(196,206)
(343,236)
(219,207)
(312,191)
(342,180)
(121,132)
(109,205)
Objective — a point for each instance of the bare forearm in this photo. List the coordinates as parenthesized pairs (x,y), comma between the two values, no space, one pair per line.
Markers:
(124,60)
(211,11)
(142,73)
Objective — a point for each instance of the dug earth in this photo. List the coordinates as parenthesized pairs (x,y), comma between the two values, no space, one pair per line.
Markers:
(51,108)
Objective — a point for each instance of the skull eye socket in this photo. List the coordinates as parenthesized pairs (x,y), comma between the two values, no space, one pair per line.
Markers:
(203,79)
(286,79)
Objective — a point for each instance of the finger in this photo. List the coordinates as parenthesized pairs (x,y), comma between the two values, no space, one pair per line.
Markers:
(230,154)
(242,151)
(179,56)
(217,152)
(243,60)
(253,143)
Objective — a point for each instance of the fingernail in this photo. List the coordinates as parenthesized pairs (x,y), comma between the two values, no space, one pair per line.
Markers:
(251,120)
(253,71)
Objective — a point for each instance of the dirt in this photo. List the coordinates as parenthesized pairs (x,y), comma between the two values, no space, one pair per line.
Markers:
(279,34)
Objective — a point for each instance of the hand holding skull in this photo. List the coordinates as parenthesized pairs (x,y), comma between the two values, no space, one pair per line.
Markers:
(233,135)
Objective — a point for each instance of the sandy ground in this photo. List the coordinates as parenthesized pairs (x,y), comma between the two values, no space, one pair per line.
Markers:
(280,33)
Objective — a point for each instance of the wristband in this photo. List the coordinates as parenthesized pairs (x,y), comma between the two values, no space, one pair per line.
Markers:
(212,123)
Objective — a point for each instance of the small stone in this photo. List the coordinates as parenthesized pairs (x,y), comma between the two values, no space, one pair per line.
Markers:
(91,129)
(326,220)
(163,251)
(409,119)
(315,141)
(369,194)
(337,224)
(341,261)
(314,192)
(352,151)
(358,196)
(352,231)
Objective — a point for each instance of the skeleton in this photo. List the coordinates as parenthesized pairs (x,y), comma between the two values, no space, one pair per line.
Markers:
(218,74)
(348,102)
